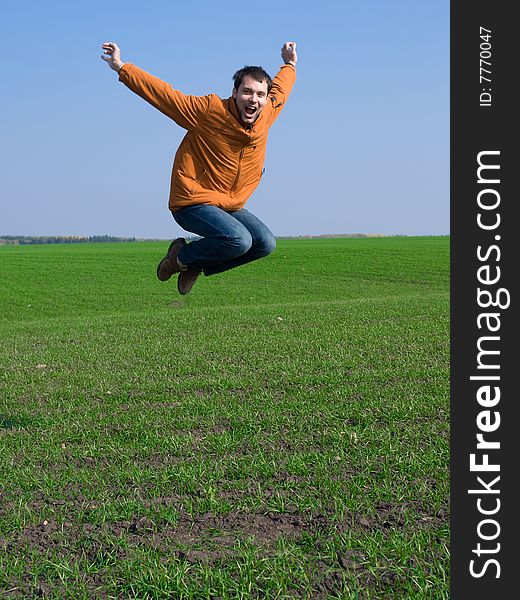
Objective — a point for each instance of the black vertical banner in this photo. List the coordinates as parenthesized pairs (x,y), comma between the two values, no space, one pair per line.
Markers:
(485,267)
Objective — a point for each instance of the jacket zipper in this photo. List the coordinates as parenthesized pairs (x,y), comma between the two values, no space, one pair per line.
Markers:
(238,172)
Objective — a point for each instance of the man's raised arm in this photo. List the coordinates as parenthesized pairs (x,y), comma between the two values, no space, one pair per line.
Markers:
(284,80)
(185,110)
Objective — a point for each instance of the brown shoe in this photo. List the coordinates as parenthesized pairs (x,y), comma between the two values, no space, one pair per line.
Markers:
(187,279)
(168,265)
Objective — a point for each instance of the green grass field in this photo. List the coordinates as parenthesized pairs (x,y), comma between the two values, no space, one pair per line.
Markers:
(281,432)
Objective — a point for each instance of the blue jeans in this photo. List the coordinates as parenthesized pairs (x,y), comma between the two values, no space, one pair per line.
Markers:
(229,239)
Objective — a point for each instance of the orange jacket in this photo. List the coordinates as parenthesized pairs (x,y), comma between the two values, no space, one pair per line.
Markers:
(219,161)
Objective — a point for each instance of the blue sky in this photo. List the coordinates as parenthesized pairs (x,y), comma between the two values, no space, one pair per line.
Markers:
(361,147)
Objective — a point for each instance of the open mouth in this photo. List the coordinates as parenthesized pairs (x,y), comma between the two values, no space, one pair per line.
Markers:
(250,111)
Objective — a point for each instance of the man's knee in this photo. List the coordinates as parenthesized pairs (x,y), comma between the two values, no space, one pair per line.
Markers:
(265,245)
(239,242)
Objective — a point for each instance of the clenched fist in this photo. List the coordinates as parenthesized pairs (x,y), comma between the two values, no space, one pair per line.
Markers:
(289,53)
(112,55)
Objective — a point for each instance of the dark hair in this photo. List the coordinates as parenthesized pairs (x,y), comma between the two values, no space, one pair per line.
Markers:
(257,73)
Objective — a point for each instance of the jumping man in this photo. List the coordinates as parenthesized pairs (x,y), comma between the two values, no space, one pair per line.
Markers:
(218,164)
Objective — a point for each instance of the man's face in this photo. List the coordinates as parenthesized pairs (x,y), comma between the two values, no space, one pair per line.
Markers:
(250,98)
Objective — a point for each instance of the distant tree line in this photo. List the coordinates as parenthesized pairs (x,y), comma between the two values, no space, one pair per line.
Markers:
(61,239)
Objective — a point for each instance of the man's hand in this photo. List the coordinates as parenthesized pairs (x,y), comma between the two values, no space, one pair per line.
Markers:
(289,53)
(112,55)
